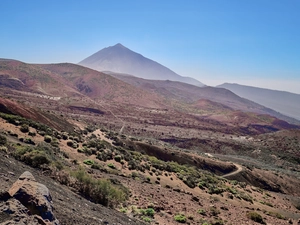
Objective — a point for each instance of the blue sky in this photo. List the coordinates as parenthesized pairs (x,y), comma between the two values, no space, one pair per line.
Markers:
(253,42)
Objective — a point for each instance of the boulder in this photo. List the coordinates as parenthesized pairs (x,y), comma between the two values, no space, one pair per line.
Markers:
(27,202)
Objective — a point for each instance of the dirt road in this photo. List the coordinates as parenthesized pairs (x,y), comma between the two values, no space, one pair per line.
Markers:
(239,169)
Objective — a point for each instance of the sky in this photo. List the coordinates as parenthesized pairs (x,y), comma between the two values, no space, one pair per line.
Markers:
(254,43)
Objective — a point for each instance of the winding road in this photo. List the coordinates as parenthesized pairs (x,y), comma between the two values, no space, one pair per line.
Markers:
(239,169)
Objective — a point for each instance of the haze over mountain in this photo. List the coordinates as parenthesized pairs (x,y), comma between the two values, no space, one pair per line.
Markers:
(120,59)
(284,102)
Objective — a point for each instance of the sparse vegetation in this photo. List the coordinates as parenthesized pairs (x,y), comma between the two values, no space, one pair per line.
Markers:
(112,166)
(34,157)
(158,148)
(213,211)
(202,212)
(146,219)
(100,191)
(148,212)
(276,214)
(255,217)
(47,138)
(180,218)
(88,162)
(72,144)
(24,128)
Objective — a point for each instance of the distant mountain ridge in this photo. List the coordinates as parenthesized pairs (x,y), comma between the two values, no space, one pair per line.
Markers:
(120,59)
(284,102)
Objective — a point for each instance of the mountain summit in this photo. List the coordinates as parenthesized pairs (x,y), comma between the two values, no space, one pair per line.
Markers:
(120,59)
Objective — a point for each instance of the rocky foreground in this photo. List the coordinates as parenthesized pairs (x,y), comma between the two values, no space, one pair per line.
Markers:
(27,202)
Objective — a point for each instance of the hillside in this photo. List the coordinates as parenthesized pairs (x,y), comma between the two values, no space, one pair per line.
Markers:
(20,76)
(284,102)
(120,59)
(64,88)
(100,86)
(152,182)
(182,92)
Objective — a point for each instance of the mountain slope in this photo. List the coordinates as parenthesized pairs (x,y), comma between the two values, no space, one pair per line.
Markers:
(178,91)
(12,107)
(97,85)
(284,102)
(120,59)
(31,78)
(68,80)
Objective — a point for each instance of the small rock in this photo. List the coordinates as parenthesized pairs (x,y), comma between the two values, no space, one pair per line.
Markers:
(176,189)
(11,173)
(195,198)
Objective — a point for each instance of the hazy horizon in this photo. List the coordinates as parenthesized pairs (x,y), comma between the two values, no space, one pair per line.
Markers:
(250,43)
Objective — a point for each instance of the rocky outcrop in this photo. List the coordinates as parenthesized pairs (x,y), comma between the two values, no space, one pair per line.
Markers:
(27,202)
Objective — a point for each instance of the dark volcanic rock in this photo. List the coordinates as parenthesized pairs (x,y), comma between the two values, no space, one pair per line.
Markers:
(27,202)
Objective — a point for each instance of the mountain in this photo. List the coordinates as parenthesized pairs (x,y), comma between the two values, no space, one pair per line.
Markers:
(182,92)
(69,87)
(284,102)
(31,78)
(120,59)
(98,85)
(66,80)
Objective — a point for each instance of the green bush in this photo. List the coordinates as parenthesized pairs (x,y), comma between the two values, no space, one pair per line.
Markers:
(112,166)
(65,136)
(72,144)
(118,158)
(97,166)
(266,203)
(146,219)
(277,215)
(123,210)
(213,211)
(245,197)
(100,191)
(55,143)
(232,190)
(202,212)
(36,156)
(180,218)
(148,212)
(24,128)
(215,190)
(32,134)
(190,181)
(29,141)
(47,138)
(132,164)
(98,144)
(88,162)
(42,133)
(255,217)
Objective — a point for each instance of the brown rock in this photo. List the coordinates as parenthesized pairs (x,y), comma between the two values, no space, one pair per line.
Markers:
(34,196)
